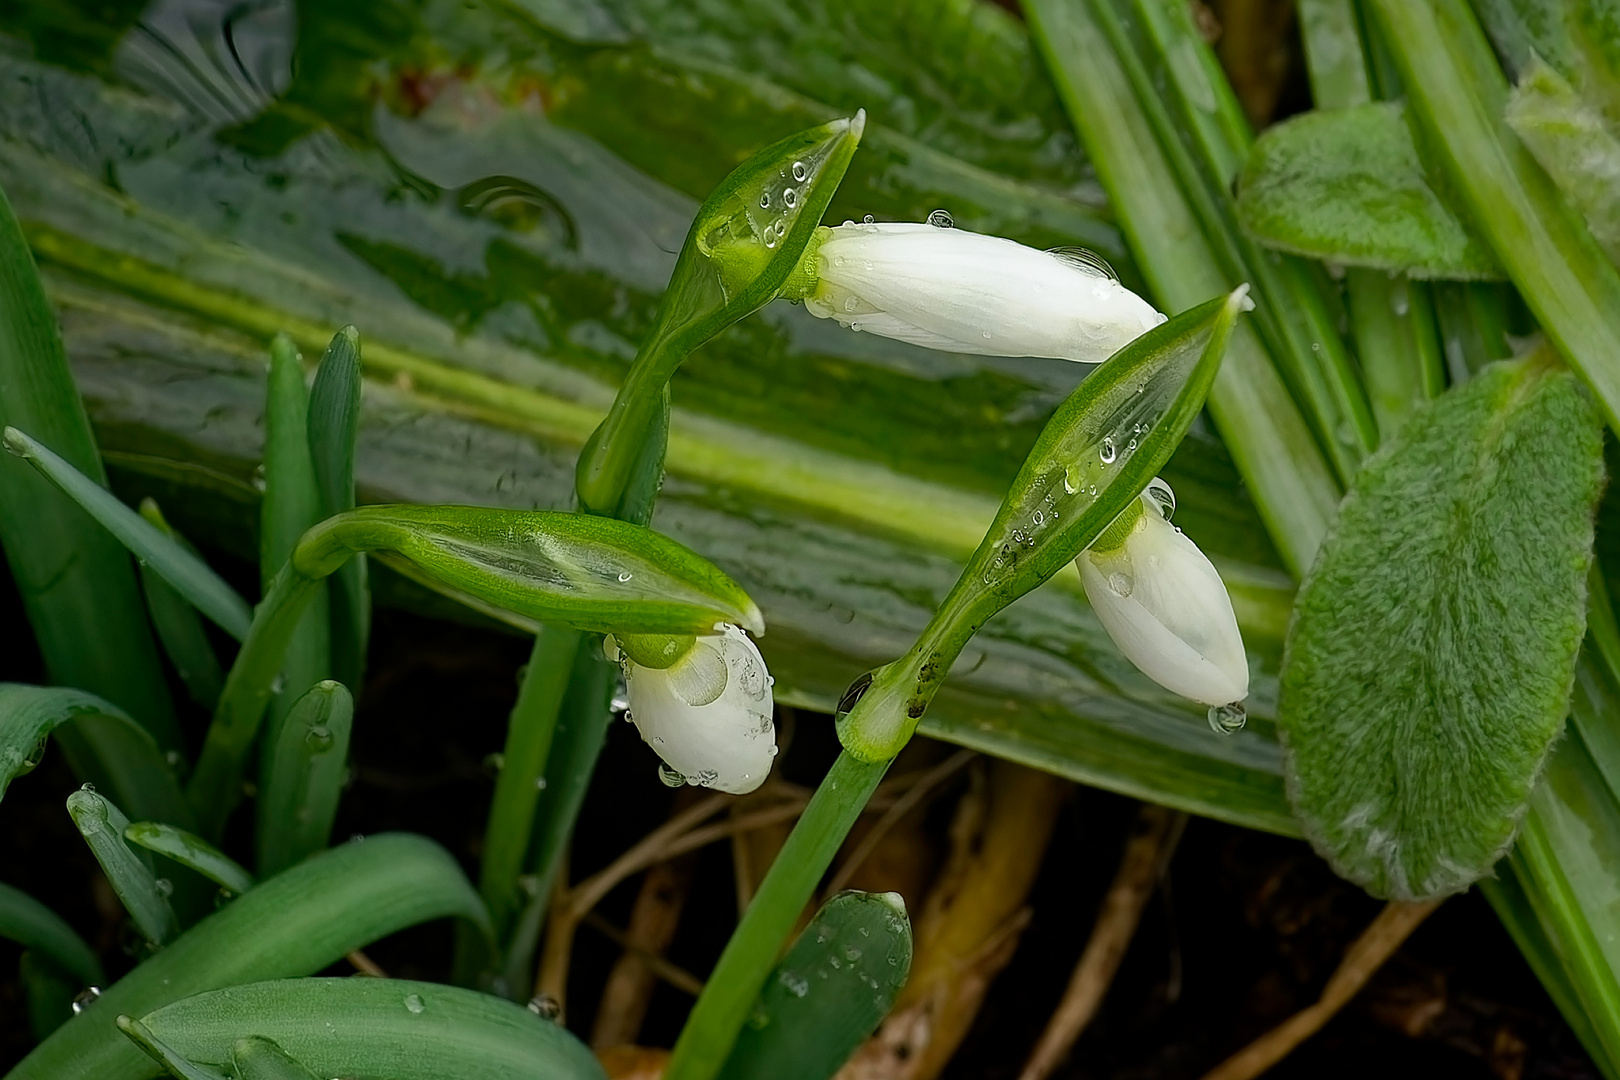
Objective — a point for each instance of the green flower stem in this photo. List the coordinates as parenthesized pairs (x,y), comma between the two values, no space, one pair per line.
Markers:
(1458,92)
(1293,487)
(732,987)
(529,736)
(216,785)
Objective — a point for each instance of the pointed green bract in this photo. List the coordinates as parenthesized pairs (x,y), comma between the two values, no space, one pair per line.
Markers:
(397,1028)
(334,422)
(144,896)
(299,800)
(569,569)
(831,990)
(191,851)
(1433,648)
(1349,186)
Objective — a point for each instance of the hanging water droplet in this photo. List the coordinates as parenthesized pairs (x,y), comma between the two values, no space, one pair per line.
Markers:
(765,201)
(1121,583)
(88,788)
(85,998)
(799,171)
(941,219)
(1108,452)
(790,198)
(856,691)
(1161,497)
(319,738)
(1227,719)
(545,1006)
(668,776)
(771,751)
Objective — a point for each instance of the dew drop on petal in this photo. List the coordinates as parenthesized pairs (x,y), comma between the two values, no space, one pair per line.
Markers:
(669,776)
(941,219)
(1121,583)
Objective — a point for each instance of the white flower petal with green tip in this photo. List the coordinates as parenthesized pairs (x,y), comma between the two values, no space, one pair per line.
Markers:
(708,715)
(961,291)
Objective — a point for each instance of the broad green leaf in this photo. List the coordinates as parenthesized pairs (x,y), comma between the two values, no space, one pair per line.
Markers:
(178,625)
(1573,143)
(191,850)
(34,926)
(1433,648)
(179,567)
(294,924)
(842,481)
(76,585)
(310,755)
(334,420)
(831,990)
(1350,187)
(569,569)
(107,743)
(397,1028)
(143,894)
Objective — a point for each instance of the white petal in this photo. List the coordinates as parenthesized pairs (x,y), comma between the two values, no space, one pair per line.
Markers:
(1164,604)
(727,742)
(966,292)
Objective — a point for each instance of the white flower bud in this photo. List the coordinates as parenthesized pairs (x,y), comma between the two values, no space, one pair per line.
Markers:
(708,715)
(1166,608)
(960,291)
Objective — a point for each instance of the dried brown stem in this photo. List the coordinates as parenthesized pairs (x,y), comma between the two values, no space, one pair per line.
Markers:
(675,975)
(1147,853)
(1364,957)
(365,965)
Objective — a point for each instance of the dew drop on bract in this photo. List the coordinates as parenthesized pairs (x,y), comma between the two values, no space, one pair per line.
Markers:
(319,738)
(799,171)
(414,1005)
(1227,719)
(790,198)
(625,575)
(941,219)
(88,788)
(668,776)
(765,201)
(1109,452)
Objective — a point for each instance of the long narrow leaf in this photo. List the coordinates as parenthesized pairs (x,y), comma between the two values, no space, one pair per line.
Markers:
(334,422)
(144,896)
(34,926)
(294,924)
(308,762)
(191,851)
(179,627)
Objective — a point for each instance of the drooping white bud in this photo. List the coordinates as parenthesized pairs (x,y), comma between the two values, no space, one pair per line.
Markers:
(708,715)
(959,291)
(1166,608)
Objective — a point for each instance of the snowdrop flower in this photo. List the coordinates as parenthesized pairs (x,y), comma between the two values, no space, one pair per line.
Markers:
(708,714)
(1166,608)
(960,291)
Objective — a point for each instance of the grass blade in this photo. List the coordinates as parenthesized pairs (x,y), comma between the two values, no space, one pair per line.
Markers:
(294,924)
(34,926)
(308,762)
(192,851)
(179,628)
(190,576)
(146,899)
(76,584)
(50,992)
(334,422)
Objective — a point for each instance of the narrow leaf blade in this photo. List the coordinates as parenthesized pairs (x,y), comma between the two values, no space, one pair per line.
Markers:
(192,851)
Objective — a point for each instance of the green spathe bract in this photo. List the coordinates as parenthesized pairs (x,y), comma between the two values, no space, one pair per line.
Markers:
(1348,186)
(1430,661)
(568,569)
(1093,458)
(746,240)
(831,990)
(396,1028)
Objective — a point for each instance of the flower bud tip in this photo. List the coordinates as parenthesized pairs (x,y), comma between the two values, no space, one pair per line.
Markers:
(1240,298)
(857,124)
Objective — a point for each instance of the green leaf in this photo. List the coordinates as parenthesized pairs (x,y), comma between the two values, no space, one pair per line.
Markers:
(173,1062)
(1349,186)
(1433,648)
(179,567)
(294,924)
(334,420)
(831,990)
(309,756)
(191,850)
(179,627)
(396,1028)
(569,569)
(76,585)
(34,926)
(1573,143)
(107,743)
(144,896)
(50,992)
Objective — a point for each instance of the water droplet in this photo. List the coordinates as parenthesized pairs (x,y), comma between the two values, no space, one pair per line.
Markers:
(941,219)
(868,219)
(770,239)
(856,691)
(1070,485)
(799,171)
(494,763)
(668,776)
(85,998)
(796,985)
(1162,497)
(835,962)
(1121,583)
(625,575)
(539,783)
(987,335)
(1227,719)
(88,789)
(790,198)
(851,953)
(414,1005)
(850,303)
(765,201)
(1399,302)
(319,738)
(772,751)
(824,934)
(1108,452)
(545,1006)
(164,886)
